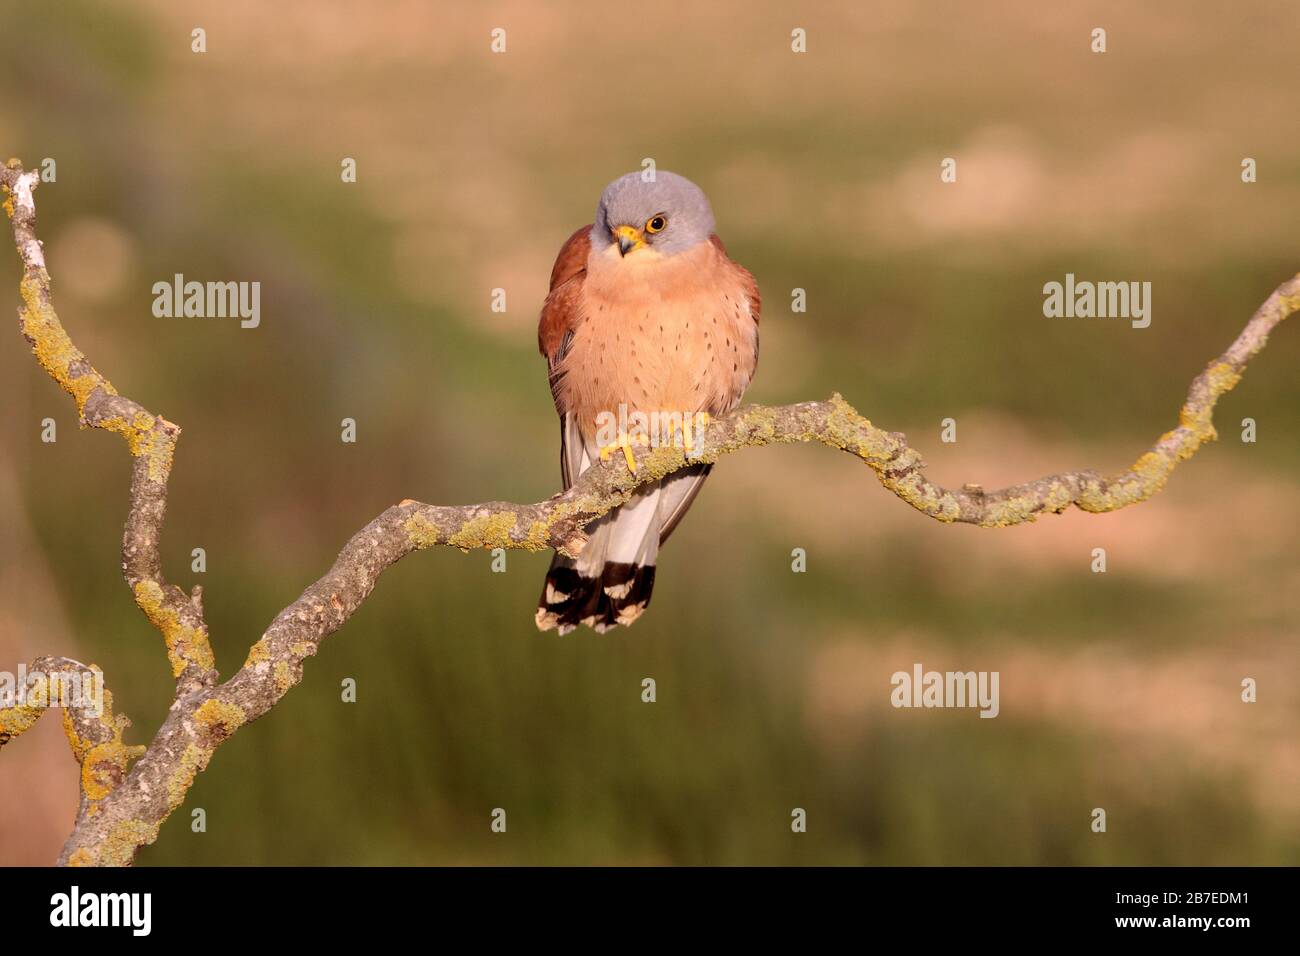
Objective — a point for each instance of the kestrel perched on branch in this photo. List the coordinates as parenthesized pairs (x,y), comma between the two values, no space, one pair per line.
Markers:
(647,318)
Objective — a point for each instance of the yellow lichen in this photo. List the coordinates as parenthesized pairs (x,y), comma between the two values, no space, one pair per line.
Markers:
(1153,468)
(1221,378)
(259,652)
(59,357)
(17,720)
(221,717)
(159,448)
(849,430)
(1013,511)
(52,346)
(924,496)
(485,531)
(105,767)
(421,532)
(145,436)
(539,532)
(79,745)
(193,761)
(757,426)
(103,764)
(121,843)
(185,645)
(283,678)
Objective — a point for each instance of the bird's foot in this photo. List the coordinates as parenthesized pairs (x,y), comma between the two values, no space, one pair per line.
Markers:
(625,442)
(689,424)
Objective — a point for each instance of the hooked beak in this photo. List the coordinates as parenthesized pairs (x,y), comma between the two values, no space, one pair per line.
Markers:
(628,239)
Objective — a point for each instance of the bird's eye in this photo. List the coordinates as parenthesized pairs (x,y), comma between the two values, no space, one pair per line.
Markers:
(656,224)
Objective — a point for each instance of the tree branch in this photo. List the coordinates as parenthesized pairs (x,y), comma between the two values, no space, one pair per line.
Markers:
(93,732)
(206,713)
(151,439)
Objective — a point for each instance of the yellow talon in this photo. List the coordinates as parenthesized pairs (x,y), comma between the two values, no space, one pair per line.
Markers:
(688,434)
(623,443)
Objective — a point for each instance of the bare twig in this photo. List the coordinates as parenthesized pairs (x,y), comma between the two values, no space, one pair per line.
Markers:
(205,713)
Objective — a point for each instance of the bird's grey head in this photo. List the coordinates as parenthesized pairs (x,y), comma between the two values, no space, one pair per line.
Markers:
(668,215)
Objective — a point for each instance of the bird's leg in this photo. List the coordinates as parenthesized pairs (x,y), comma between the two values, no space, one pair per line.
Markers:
(626,445)
(627,453)
(688,435)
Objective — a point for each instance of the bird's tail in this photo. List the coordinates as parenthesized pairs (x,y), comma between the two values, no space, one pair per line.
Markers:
(610,582)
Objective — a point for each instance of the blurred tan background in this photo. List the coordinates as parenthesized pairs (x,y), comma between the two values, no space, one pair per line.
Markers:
(1118,690)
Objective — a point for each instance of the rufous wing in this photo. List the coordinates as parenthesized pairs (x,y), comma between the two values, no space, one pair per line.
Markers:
(554,333)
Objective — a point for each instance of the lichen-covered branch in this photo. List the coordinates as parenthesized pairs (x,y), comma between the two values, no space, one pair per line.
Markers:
(150,438)
(205,713)
(93,732)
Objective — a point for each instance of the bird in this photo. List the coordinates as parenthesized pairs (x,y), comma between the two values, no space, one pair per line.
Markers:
(646,315)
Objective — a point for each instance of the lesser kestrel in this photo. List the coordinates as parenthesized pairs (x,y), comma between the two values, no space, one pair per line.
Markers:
(646,314)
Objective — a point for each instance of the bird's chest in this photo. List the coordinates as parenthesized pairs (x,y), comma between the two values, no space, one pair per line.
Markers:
(665,337)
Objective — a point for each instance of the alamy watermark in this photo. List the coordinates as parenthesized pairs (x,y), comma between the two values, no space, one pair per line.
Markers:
(1098,300)
(133,911)
(209,300)
(922,688)
(82,689)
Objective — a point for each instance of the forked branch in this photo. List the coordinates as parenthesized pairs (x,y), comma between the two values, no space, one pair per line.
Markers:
(129,805)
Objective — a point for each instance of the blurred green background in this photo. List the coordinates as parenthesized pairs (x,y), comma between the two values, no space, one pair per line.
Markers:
(1118,690)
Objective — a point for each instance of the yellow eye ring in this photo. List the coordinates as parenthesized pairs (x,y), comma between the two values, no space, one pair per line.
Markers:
(656,224)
